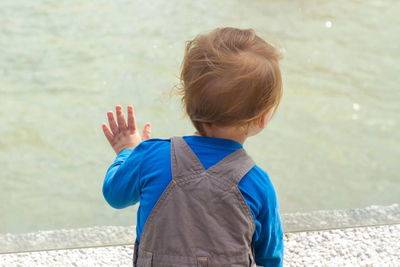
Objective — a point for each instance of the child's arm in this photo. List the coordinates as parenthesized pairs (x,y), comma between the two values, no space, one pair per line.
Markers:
(121,184)
(269,245)
(124,135)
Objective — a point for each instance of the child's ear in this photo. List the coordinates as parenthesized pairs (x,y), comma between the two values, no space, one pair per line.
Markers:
(261,122)
(264,119)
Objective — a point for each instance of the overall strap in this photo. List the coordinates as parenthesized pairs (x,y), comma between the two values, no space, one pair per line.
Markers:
(230,170)
(183,160)
(233,167)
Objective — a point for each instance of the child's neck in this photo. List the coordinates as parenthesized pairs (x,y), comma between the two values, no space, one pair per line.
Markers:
(226,132)
(237,133)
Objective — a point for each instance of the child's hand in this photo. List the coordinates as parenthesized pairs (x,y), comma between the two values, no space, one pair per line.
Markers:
(123,135)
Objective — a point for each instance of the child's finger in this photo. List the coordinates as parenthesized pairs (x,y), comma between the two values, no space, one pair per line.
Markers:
(146,132)
(113,124)
(131,120)
(120,119)
(107,133)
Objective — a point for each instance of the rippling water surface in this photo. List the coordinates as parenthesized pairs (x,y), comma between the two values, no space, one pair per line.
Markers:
(334,143)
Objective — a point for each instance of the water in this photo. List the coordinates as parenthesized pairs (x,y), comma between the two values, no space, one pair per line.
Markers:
(334,143)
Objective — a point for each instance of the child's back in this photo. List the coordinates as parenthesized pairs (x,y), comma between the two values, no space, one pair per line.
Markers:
(203,202)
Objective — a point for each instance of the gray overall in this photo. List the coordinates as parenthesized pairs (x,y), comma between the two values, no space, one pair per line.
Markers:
(201,219)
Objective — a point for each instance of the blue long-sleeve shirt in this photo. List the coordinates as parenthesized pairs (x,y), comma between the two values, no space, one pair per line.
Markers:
(141,175)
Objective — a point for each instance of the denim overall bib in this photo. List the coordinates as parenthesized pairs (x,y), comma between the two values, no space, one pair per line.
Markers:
(201,219)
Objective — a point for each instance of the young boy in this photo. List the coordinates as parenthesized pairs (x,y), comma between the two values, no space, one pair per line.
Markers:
(203,201)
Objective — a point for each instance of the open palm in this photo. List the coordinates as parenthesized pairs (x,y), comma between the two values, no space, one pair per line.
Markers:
(123,134)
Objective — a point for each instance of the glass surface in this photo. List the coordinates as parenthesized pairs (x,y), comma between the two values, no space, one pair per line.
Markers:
(333,144)
(126,235)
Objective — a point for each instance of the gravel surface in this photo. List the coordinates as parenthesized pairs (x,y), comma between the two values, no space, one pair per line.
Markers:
(365,246)
(369,246)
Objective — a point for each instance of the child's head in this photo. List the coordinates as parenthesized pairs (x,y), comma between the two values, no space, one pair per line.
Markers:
(230,77)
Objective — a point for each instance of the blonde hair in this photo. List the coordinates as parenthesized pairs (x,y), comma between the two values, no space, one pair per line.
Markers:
(229,77)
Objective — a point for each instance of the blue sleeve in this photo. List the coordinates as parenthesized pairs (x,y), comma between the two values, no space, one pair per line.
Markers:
(121,187)
(268,247)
